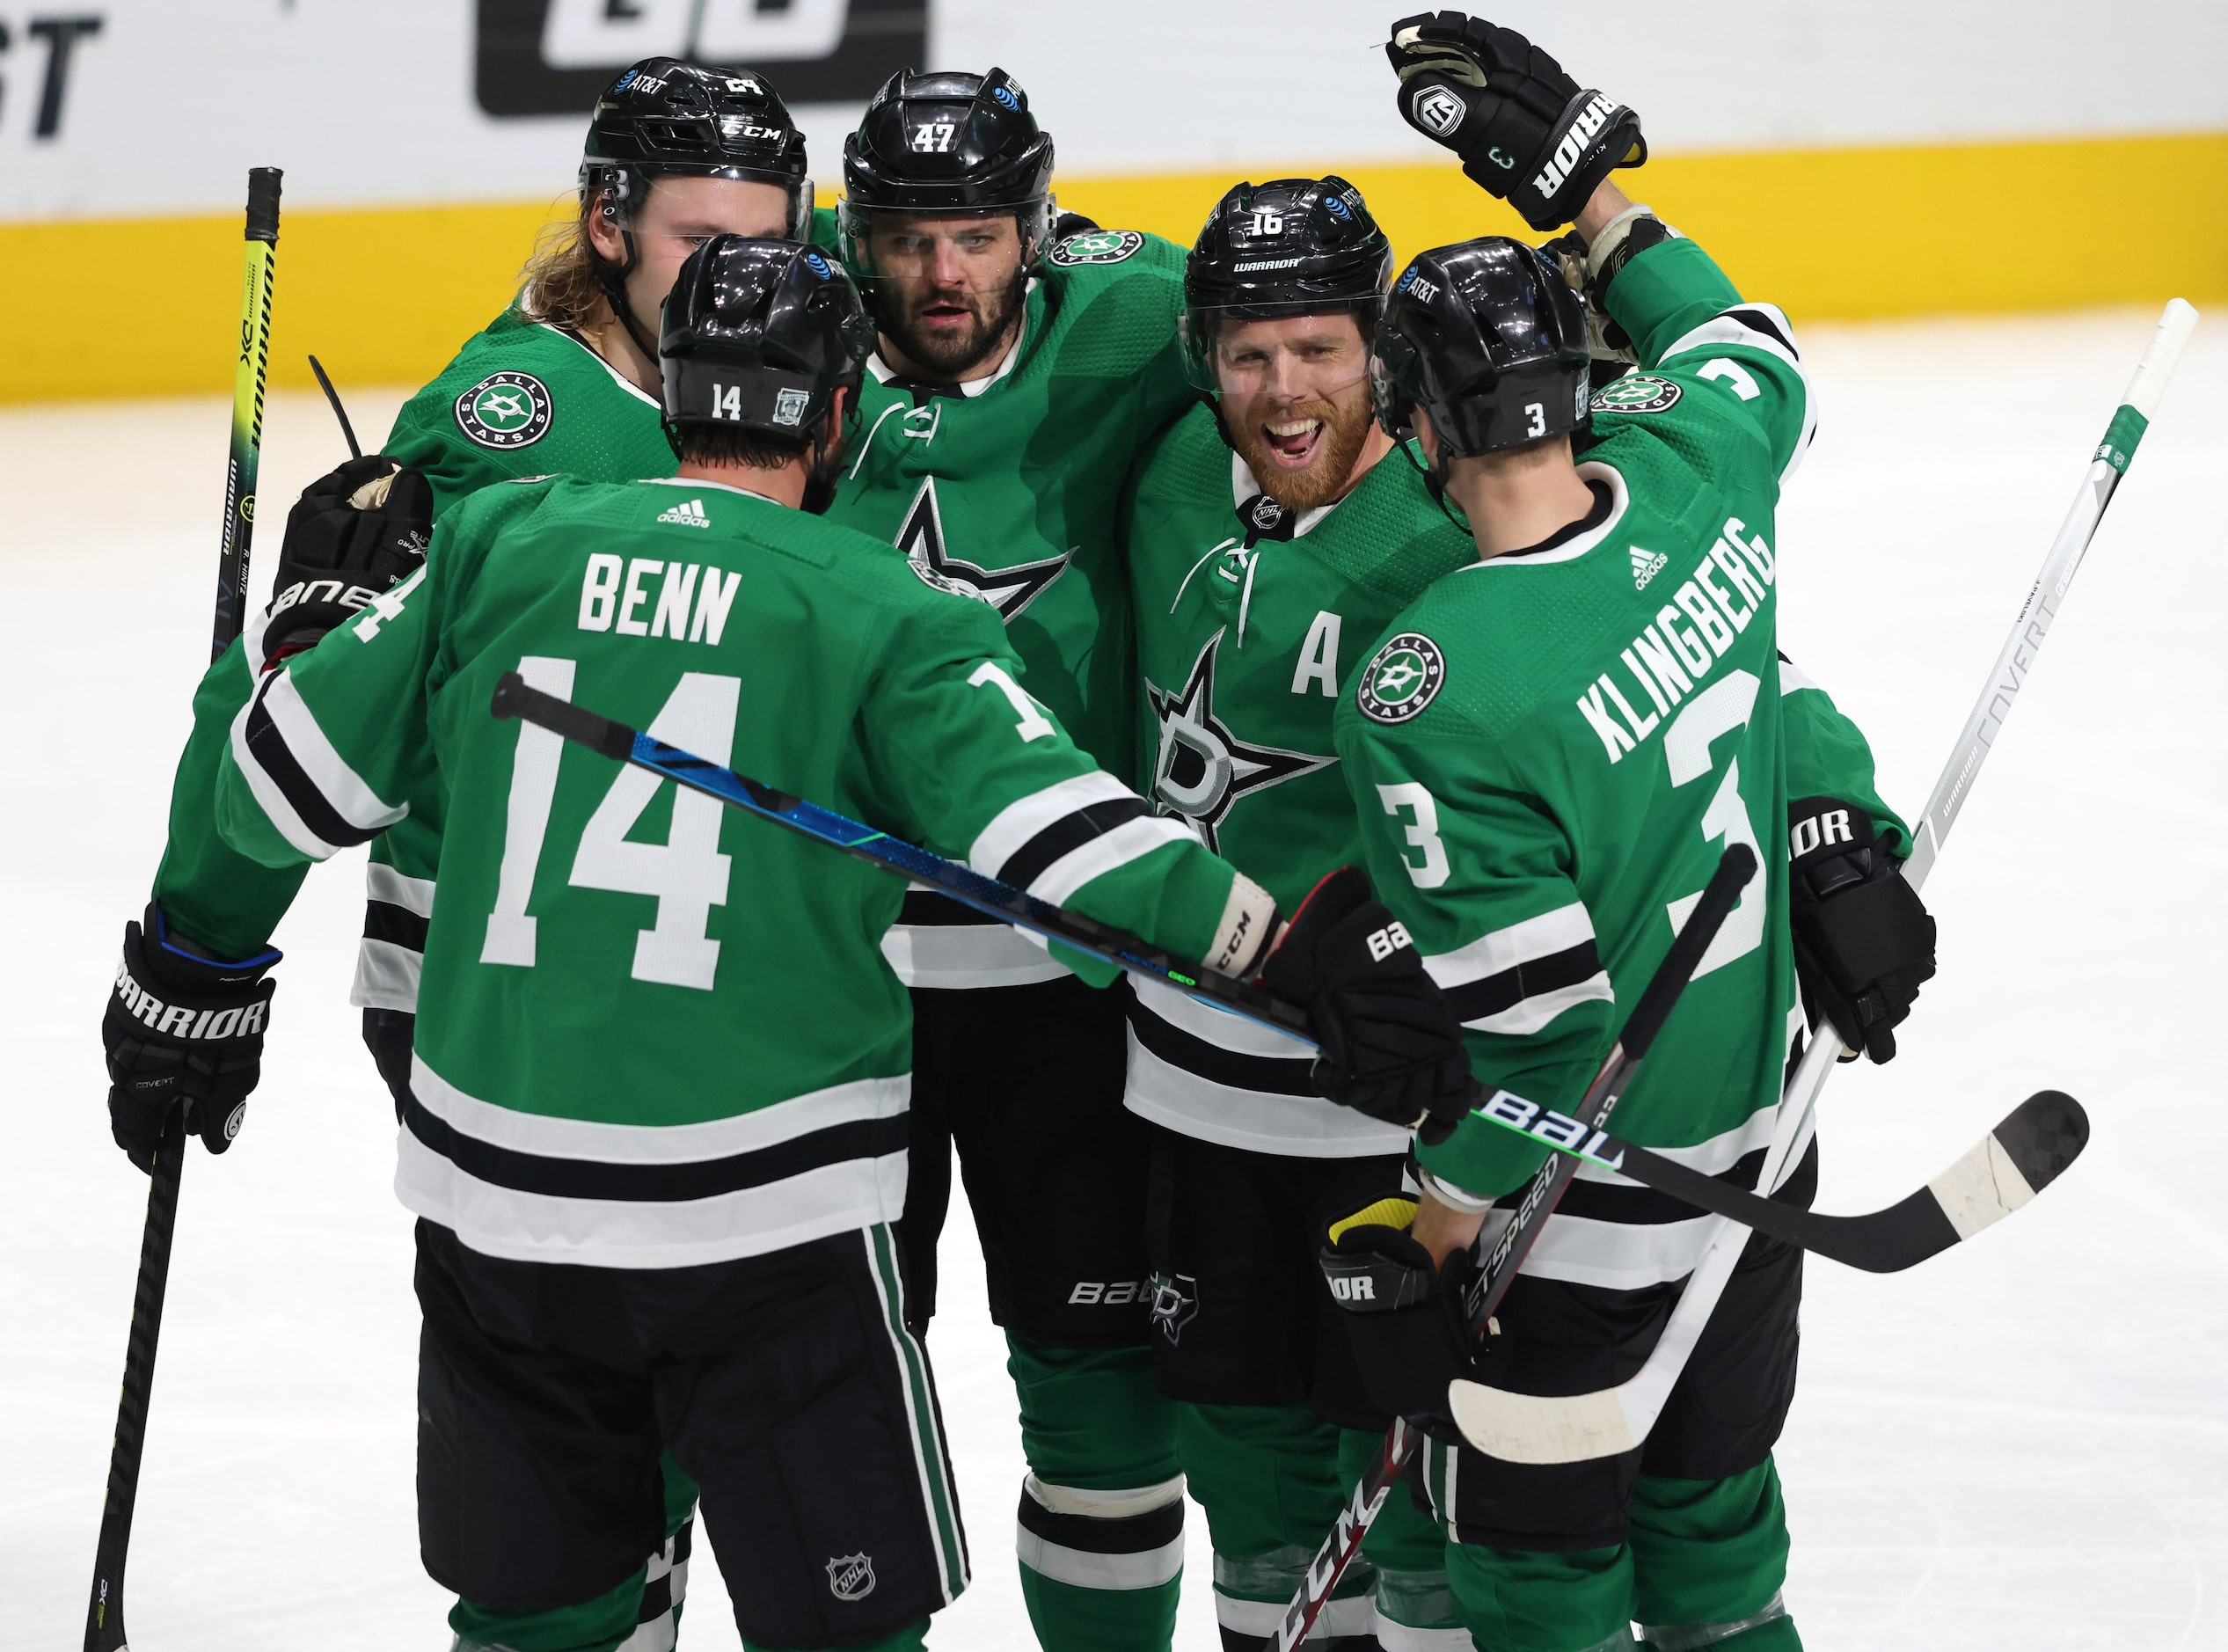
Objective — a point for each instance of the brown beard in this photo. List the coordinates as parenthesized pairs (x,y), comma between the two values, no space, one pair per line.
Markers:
(1345,429)
(945,356)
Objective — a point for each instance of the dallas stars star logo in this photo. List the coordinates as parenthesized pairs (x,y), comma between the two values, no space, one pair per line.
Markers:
(1204,769)
(1009,590)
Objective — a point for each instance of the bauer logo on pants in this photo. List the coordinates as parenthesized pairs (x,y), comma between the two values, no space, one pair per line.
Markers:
(505,411)
(852,1576)
(1402,679)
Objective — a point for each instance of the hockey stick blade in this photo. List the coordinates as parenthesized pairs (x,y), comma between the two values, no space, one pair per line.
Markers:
(2012,1163)
(514,698)
(1735,868)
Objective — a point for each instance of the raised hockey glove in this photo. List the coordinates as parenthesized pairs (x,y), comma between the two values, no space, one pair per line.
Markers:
(1526,131)
(183,1034)
(1390,1045)
(1404,1318)
(354,534)
(1863,941)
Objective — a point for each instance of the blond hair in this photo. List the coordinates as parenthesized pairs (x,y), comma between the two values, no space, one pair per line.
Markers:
(563,279)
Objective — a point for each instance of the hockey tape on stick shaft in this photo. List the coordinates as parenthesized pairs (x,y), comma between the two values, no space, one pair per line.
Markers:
(514,698)
(105,1610)
(1735,868)
(1611,1421)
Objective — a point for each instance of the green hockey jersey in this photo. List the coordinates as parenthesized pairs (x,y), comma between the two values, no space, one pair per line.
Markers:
(1550,749)
(521,398)
(1010,485)
(1249,618)
(655,1032)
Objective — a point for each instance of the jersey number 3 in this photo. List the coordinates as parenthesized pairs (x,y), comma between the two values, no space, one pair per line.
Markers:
(686,872)
(1725,705)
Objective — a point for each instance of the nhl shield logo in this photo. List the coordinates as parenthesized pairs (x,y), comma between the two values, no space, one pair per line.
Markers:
(852,1576)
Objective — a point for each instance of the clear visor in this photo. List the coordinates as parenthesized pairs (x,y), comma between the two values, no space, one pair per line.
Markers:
(693,208)
(1286,359)
(976,249)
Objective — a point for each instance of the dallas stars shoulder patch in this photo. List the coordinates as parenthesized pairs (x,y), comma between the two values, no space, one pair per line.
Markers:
(505,411)
(1094,246)
(1405,676)
(1636,393)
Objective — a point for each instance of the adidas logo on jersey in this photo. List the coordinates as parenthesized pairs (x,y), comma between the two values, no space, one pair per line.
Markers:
(689,514)
(1646,565)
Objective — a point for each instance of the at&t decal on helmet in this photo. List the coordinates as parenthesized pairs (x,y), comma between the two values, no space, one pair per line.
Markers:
(1403,678)
(1636,393)
(505,411)
(1095,246)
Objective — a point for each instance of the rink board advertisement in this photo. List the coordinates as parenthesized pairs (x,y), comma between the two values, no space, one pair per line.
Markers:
(1809,142)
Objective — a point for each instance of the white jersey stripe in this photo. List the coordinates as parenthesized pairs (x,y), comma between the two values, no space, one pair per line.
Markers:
(1021,820)
(387,974)
(1530,1015)
(1503,949)
(1109,852)
(382,882)
(340,785)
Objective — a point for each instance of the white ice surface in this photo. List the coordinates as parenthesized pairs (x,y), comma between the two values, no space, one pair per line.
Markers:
(2023,1444)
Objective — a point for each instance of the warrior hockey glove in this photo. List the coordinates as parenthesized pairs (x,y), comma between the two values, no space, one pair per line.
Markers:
(353,535)
(1405,1317)
(1526,131)
(183,1034)
(1863,942)
(1390,1044)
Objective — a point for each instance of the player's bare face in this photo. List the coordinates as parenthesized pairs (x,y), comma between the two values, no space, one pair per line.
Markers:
(681,215)
(1296,400)
(948,288)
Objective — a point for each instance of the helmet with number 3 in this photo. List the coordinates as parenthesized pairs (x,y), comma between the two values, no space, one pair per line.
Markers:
(1489,340)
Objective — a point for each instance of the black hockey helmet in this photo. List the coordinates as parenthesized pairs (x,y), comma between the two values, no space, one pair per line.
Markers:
(664,116)
(1488,338)
(761,334)
(947,142)
(1293,246)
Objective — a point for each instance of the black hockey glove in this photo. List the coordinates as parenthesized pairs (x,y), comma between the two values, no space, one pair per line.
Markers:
(1390,1046)
(1526,131)
(183,1034)
(353,535)
(1404,1320)
(1863,942)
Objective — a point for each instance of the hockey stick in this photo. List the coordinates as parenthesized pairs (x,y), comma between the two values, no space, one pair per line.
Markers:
(1527,1428)
(514,698)
(1537,1201)
(333,397)
(2012,1163)
(104,1614)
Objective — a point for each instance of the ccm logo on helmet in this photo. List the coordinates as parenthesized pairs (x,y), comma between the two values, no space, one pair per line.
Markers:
(1831,827)
(1383,943)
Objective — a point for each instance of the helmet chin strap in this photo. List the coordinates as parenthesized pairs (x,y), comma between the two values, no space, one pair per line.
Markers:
(612,277)
(1434,474)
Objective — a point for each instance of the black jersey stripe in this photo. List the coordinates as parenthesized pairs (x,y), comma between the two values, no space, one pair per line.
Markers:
(383,920)
(1131,1534)
(1760,321)
(1270,1075)
(1644,1206)
(653,1184)
(1071,833)
(268,745)
(1491,994)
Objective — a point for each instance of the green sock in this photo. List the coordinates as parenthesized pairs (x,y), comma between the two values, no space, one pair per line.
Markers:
(1100,1533)
(600,1624)
(912,1639)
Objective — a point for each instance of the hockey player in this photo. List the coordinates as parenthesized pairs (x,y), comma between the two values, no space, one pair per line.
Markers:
(1017,374)
(1551,748)
(565,380)
(1271,535)
(654,1126)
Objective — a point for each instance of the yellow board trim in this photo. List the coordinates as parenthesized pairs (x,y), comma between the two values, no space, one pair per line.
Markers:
(385,295)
